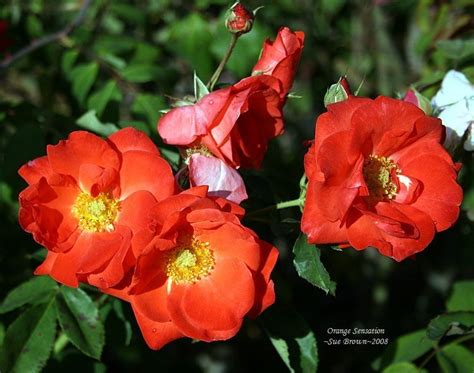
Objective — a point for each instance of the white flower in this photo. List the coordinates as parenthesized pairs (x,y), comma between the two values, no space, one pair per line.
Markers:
(455,102)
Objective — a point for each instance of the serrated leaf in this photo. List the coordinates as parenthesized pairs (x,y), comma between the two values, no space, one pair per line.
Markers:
(29,339)
(462,297)
(453,323)
(455,359)
(90,122)
(293,339)
(140,73)
(99,99)
(79,319)
(83,77)
(407,347)
(309,266)
(149,106)
(34,290)
(403,367)
(200,89)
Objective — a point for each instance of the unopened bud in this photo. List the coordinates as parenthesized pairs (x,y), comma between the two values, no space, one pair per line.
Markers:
(240,19)
(416,98)
(337,92)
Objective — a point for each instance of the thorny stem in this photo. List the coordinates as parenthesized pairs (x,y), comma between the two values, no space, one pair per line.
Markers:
(217,74)
(36,44)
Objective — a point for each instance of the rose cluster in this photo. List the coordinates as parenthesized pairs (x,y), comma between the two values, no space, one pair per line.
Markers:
(111,214)
(231,127)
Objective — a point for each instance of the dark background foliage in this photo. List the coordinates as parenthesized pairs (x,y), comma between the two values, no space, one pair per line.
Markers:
(118,68)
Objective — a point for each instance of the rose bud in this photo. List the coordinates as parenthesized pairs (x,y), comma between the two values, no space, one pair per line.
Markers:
(240,19)
(416,98)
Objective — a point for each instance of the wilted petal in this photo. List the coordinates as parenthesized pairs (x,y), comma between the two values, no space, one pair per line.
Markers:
(223,181)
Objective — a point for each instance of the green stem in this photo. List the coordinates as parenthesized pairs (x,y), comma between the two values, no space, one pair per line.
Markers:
(437,348)
(217,74)
(281,205)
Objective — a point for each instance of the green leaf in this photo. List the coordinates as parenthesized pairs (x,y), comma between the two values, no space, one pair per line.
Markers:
(83,77)
(200,89)
(455,359)
(190,39)
(113,60)
(453,323)
(402,367)
(140,73)
(90,122)
(2,334)
(408,347)
(149,106)
(118,309)
(34,290)
(293,339)
(34,26)
(141,126)
(29,339)
(79,319)
(462,297)
(309,266)
(114,44)
(128,12)
(456,49)
(99,100)
(68,60)
(172,156)
(145,53)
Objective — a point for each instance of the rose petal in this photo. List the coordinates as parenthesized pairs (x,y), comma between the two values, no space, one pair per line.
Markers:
(223,181)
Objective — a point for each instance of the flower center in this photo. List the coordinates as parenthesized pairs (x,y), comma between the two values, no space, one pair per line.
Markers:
(188,265)
(379,173)
(96,214)
(198,149)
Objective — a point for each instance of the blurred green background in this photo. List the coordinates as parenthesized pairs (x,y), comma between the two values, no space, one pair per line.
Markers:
(124,60)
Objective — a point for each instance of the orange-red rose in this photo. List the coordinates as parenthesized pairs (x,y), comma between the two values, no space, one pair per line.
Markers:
(233,123)
(378,176)
(280,58)
(86,201)
(201,273)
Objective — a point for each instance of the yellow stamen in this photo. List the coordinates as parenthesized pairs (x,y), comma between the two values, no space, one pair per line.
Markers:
(378,174)
(96,214)
(189,264)
(198,149)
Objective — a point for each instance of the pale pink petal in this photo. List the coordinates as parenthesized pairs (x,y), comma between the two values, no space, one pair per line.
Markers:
(223,180)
